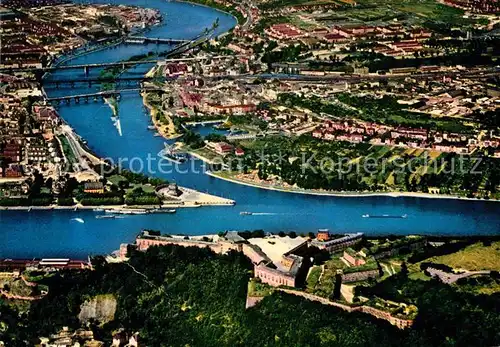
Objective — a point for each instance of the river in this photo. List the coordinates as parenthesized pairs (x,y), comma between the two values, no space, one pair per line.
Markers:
(57,234)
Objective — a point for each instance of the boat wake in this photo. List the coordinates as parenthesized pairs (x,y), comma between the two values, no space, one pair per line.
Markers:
(79,220)
(117,124)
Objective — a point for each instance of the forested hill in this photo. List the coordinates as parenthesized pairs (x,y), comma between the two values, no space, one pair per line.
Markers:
(176,296)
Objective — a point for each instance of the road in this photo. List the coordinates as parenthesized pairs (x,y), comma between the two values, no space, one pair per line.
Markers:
(247,7)
(77,149)
(449,278)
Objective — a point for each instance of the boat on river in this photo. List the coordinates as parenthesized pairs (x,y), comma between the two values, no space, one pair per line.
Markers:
(129,211)
(246,213)
(162,210)
(385,216)
(106,216)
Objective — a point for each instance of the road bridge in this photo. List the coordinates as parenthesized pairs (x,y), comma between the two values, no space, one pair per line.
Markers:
(85,97)
(100,95)
(119,80)
(145,40)
(123,65)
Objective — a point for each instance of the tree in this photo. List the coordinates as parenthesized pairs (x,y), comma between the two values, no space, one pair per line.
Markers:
(337,286)
(404,269)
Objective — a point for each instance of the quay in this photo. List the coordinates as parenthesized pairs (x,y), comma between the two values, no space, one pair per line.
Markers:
(205,122)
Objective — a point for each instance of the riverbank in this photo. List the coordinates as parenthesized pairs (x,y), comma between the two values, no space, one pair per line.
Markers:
(94,46)
(113,105)
(344,194)
(168,132)
(201,199)
(215,6)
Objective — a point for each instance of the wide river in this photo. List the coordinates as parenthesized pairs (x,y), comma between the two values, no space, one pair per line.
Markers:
(57,234)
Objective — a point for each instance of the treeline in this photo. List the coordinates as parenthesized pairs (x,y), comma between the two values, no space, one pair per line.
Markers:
(193,140)
(102,200)
(139,197)
(39,200)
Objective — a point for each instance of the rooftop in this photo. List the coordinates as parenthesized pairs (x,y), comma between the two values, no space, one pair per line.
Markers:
(275,247)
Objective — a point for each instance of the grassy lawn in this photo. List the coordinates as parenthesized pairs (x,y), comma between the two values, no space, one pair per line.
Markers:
(147,188)
(473,257)
(206,153)
(489,289)
(258,289)
(424,9)
(313,278)
(418,275)
(116,179)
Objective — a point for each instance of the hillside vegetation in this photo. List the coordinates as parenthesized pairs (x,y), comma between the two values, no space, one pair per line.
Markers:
(176,296)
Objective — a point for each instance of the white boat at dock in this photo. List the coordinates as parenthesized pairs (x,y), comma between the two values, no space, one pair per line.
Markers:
(162,210)
(127,211)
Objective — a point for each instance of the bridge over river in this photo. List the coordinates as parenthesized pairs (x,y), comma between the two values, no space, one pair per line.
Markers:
(144,40)
(122,64)
(99,95)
